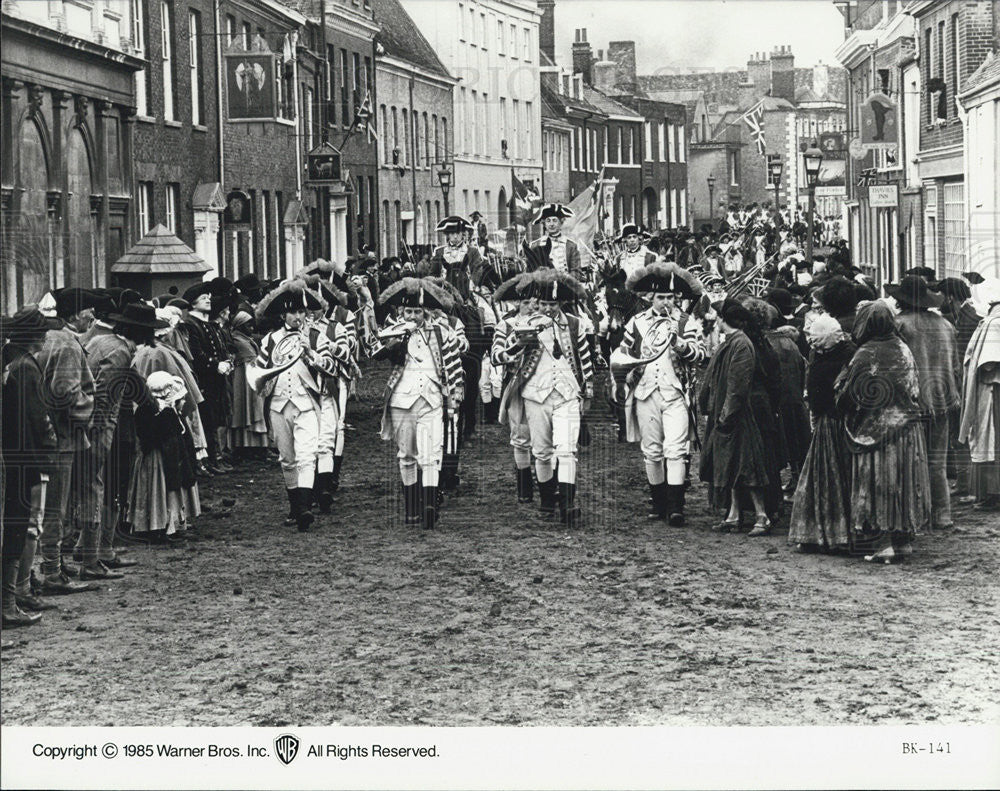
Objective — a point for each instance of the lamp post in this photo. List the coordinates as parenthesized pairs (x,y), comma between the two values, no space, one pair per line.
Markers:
(444,179)
(775,168)
(813,158)
(711,197)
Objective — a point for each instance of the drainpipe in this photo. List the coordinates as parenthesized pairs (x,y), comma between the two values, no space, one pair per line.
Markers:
(413,161)
(218,89)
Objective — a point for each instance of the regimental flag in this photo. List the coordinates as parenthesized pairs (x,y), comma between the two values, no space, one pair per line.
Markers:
(754,118)
(582,226)
(524,202)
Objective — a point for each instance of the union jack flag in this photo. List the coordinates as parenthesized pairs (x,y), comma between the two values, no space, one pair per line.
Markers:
(754,118)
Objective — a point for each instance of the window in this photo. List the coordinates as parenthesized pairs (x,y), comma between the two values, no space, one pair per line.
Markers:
(345,101)
(265,261)
(681,144)
(930,227)
(526,42)
(358,96)
(683,205)
(662,148)
(954,63)
(145,194)
(504,128)
(593,150)
(395,155)
(194,48)
(167,21)
(647,130)
(139,39)
(622,148)
(483,38)
(173,199)
(734,168)
(500,36)
(307,116)
(513,41)
(436,143)
(529,126)
(940,51)
(472,26)
(444,139)
(574,147)
(954,229)
(404,144)
(461,124)
(426,143)
(383,134)
(516,131)
(461,22)
(246,36)
(230,29)
(484,123)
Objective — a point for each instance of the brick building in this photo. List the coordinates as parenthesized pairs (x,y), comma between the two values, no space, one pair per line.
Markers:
(65,162)
(414,128)
(908,202)
(177,111)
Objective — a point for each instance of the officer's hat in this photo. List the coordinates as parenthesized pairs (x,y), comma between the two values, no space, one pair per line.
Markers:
(553,210)
(665,278)
(550,285)
(416,292)
(454,224)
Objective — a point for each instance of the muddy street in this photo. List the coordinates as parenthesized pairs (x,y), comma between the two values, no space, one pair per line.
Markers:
(497,618)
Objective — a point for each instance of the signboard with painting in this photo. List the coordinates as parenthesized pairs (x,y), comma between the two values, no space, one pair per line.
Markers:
(323,166)
(879,116)
(237,211)
(250,86)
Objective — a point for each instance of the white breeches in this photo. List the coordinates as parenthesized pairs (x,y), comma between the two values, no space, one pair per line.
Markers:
(296,434)
(419,435)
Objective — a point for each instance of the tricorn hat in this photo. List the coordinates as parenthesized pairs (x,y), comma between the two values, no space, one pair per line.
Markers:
(551,285)
(511,288)
(288,296)
(665,278)
(628,229)
(454,224)
(416,292)
(553,210)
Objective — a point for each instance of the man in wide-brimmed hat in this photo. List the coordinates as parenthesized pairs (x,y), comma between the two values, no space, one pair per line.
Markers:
(553,250)
(551,387)
(422,393)
(458,261)
(635,254)
(933,341)
(212,363)
(298,360)
(69,387)
(27,445)
(658,412)
(117,388)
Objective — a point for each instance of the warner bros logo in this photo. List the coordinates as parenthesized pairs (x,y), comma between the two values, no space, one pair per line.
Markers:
(286,747)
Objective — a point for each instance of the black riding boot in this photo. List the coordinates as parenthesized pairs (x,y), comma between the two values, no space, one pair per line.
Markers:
(293,507)
(411,504)
(547,498)
(676,505)
(304,517)
(569,511)
(323,491)
(658,497)
(430,511)
(525,485)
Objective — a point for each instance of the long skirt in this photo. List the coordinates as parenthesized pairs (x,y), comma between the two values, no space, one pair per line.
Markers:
(890,492)
(984,477)
(821,508)
(152,507)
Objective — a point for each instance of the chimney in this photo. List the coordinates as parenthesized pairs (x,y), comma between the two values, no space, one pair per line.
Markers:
(606,77)
(622,53)
(783,73)
(747,94)
(759,73)
(583,57)
(821,79)
(547,28)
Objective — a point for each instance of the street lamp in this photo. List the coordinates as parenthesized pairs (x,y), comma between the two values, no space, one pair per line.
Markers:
(444,179)
(775,168)
(813,158)
(711,197)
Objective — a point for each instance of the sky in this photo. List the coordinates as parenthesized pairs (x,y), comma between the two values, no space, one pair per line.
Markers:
(711,33)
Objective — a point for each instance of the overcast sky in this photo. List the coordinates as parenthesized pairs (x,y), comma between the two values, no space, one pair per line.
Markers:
(714,33)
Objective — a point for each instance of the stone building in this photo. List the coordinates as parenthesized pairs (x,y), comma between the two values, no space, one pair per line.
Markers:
(66,161)
(491,47)
(414,122)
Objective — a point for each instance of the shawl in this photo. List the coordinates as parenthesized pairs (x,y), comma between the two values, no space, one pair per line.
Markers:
(982,371)
(877,392)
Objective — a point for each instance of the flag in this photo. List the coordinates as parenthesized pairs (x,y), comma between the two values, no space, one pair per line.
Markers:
(523,203)
(754,118)
(582,226)
(365,115)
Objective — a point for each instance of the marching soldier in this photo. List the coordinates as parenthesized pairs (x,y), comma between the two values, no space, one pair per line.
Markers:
(504,355)
(553,250)
(636,254)
(331,404)
(459,262)
(551,388)
(660,346)
(422,393)
(289,375)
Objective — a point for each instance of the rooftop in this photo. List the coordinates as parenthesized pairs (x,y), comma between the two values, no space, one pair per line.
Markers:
(401,39)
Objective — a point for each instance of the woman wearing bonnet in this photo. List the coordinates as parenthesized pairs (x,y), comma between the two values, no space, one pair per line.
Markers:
(164,491)
(821,506)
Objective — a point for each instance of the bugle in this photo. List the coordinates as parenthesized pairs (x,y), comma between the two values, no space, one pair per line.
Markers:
(288,351)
